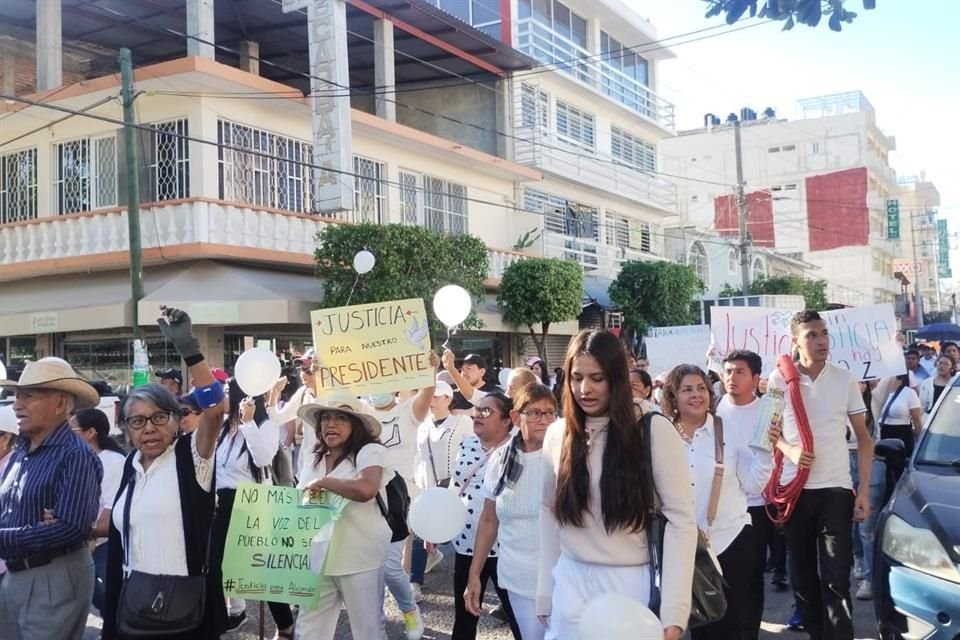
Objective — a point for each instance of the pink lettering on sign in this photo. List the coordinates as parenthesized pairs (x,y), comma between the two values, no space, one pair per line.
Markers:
(768,340)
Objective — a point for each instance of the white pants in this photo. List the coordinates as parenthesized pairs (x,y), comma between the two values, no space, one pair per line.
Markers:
(577,583)
(235,606)
(360,592)
(525,611)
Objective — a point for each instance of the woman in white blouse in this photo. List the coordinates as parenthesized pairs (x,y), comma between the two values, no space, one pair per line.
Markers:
(248,442)
(511,511)
(932,387)
(901,416)
(596,497)
(166,493)
(688,400)
(350,461)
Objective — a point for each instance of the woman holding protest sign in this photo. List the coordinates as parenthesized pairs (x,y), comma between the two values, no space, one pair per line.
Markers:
(349,461)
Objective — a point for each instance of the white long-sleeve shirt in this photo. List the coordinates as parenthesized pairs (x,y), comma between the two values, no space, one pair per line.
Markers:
(233,466)
(303,395)
(753,468)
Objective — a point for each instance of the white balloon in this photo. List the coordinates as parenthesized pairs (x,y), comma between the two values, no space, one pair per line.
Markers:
(452,305)
(363,262)
(612,616)
(437,515)
(256,371)
(504,377)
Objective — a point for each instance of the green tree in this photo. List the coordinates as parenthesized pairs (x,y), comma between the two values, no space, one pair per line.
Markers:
(412,262)
(790,12)
(814,292)
(655,294)
(539,292)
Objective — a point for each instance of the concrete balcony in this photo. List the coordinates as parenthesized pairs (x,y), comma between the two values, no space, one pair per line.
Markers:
(594,257)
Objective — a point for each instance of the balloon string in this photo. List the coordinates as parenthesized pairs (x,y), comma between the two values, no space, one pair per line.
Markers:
(352,289)
(450,332)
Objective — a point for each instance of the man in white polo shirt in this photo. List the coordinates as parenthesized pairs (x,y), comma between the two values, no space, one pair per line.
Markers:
(819,531)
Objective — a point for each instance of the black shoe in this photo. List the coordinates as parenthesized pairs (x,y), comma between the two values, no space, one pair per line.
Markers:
(500,614)
(779,582)
(235,621)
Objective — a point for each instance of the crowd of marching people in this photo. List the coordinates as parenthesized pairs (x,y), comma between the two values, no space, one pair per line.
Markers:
(592,479)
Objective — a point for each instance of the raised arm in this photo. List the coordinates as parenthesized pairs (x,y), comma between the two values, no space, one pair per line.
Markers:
(421,401)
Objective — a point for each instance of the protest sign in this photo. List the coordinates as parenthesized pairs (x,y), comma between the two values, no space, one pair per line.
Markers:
(669,346)
(268,550)
(372,348)
(862,339)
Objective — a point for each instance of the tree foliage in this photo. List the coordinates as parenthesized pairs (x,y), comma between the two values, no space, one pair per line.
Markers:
(412,262)
(538,292)
(814,292)
(790,12)
(655,294)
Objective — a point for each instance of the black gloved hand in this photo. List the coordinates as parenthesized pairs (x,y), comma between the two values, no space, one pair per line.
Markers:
(177,327)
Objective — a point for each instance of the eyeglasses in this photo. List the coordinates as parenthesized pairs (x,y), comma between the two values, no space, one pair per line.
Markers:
(537,416)
(139,422)
(486,412)
(307,370)
(190,411)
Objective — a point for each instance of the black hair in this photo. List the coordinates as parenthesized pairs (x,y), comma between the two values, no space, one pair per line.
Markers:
(802,318)
(912,352)
(360,437)
(505,404)
(946,344)
(753,360)
(645,379)
(232,419)
(98,421)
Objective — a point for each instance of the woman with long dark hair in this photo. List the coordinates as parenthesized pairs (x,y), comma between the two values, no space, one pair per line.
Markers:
(596,497)
(93,427)
(247,444)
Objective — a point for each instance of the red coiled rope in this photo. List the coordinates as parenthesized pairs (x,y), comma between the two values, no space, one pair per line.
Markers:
(784,498)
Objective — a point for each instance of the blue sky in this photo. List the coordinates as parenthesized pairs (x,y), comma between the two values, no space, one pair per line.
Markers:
(904,56)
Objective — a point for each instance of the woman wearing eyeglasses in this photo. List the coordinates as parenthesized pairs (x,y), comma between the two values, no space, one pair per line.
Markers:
(491,427)
(161,519)
(511,511)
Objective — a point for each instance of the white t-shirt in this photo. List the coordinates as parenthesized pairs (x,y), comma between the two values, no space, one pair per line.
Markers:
(112,475)
(828,400)
(518,509)
(361,537)
(444,442)
(738,424)
(898,412)
(399,436)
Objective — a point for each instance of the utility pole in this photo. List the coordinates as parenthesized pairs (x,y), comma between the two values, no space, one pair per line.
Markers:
(917,298)
(131,135)
(742,215)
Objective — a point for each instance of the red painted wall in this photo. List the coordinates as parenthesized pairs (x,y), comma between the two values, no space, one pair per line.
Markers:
(837,214)
(759,217)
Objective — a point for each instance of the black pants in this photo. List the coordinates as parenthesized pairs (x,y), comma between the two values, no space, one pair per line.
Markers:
(282,615)
(765,536)
(819,539)
(737,562)
(902,432)
(465,623)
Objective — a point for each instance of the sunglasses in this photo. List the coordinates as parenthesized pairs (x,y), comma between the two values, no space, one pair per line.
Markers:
(486,412)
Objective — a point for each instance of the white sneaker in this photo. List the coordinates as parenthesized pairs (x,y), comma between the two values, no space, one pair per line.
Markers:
(417,592)
(865,590)
(433,560)
(413,624)
(858,569)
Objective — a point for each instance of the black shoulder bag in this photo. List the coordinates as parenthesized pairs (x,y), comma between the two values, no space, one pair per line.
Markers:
(158,606)
(707,603)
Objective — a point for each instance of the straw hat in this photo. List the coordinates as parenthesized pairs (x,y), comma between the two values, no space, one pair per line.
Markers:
(344,403)
(55,374)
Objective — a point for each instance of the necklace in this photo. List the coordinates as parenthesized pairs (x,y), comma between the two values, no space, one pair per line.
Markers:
(683,436)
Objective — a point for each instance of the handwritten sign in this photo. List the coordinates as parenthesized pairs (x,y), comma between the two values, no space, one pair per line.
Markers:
(669,346)
(268,551)
(862,339)
(372,348)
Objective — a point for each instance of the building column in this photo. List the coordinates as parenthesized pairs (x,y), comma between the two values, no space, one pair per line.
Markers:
(384,70)
(49,45)
(250,57)
(211,344)
(8,71)
(200,25)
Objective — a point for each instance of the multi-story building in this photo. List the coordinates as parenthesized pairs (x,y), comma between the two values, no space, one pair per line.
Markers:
(816,187)
(913,211)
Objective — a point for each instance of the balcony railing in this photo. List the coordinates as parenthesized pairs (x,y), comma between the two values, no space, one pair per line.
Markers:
(546,45)
(593,256)
(543,149)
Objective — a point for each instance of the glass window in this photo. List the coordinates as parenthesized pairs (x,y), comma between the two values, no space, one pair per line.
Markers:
(574,125)
(561,20)
(444,206)
(524,9)
(369,192)
(18,186)
(940,443)
(632,151)
(733,261)
(534,106)
(542,13)
(458,8)
(485,12)
(697,259)
(579,30)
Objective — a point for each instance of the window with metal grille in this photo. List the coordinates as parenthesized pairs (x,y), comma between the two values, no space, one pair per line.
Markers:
(697,258)
(632,151)
(442,207)
(18,186)
(574,125)
(164,158)
(263,168)
(369,194)
(733,260)
(564,216)
(85,174)
(408,198)
(614,320)
(534,106)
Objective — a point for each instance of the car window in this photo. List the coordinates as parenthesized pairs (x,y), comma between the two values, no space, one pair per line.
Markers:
(941,441)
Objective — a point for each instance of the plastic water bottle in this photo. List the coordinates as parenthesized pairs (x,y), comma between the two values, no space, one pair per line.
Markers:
(771,410)
(141,364)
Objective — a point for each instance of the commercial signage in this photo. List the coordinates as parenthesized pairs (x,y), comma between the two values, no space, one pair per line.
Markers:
(893,219)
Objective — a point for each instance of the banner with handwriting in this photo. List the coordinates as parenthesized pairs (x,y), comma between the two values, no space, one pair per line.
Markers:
(669,346)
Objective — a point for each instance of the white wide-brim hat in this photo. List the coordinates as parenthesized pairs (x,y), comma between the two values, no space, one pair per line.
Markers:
(344,403)
(55,374)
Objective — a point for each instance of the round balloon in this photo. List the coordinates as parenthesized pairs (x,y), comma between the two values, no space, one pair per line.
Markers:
(452,305)
(363,262)
(437,515)
(256,371)
(612,616)
(504,377)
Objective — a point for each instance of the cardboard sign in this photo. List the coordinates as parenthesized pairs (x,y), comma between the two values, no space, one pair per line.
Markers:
(268,555)
(862,339)
(669,346)
(372,348)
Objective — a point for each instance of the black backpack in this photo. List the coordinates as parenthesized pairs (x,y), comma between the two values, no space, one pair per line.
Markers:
(396,508)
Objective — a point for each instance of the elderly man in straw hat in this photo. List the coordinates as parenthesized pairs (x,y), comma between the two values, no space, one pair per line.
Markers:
(49,581)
